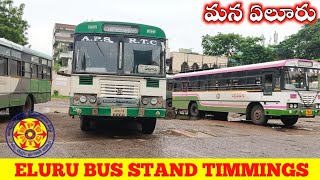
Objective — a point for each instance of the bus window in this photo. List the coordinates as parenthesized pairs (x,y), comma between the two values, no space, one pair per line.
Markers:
(4,51)
(26,70)
(3,66)
(49,73)
(185,86)
(34,71)
(16,54)
(35,59)
(14,68)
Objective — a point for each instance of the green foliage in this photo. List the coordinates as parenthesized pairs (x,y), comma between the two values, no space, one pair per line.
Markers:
(12,25)
(56,67)
(305,44)
(240,50)
(56,93)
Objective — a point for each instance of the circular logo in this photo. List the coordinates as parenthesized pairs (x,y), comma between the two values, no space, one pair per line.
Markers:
(218,96)
(30,134)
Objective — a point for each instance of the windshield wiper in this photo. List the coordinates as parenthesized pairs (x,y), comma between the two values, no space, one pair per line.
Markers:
(99,48)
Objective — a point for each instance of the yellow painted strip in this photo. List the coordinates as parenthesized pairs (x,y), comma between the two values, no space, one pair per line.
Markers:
(160,169)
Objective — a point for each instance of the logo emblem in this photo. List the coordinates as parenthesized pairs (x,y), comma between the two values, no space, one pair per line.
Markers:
(119,91)
(30,134)
(218,96)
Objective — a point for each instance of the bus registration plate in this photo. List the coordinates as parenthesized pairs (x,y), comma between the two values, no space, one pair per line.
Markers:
(308,112)
(118,111)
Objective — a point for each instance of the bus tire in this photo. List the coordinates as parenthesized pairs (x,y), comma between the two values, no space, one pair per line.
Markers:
(85,123)
(170,114)
(194,111)
(257,115)
(148,125)
(289,120)
(221,116)
(28,106)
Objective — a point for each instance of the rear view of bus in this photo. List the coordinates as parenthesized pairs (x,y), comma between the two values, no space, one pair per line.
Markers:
(118,73)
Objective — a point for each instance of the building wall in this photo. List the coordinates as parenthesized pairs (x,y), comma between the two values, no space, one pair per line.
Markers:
(178,58)
(60,84)
(62,39)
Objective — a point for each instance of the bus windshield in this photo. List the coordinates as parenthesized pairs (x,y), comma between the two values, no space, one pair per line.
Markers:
(96,54)
(313,79)
(143,56)
(301,79)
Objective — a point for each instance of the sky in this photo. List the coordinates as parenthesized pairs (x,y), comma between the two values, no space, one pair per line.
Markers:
(180,19)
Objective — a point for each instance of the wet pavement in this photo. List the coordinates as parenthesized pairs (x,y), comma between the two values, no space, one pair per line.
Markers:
(175,138)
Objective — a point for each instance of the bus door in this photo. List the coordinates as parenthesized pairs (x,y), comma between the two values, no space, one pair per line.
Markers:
(268,83)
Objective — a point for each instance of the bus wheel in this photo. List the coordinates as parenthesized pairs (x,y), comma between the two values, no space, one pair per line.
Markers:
(221,116)
(28,105)
(85,123)
(257,115)
(170,114)
(148,125)
(289,121)
(194,111)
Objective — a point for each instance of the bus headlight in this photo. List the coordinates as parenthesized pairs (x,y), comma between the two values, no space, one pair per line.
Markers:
(145,100)
(154,101)
(293,106)
(92,99)
(83,99)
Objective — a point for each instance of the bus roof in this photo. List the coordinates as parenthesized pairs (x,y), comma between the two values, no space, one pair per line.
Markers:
(288,62)
(18,47)
(97,27)
(169,76)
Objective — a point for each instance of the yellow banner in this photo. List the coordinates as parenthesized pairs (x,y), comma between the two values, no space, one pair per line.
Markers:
(160,168)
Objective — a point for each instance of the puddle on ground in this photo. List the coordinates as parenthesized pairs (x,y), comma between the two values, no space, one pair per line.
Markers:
(51,110)
(286,129)
(191,133)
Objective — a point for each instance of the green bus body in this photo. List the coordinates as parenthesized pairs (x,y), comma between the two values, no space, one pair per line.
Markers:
(25,75)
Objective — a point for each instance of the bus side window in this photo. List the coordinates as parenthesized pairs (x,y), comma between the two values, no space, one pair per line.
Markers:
(3,66)
(34,71)
(14,68)
(185,86)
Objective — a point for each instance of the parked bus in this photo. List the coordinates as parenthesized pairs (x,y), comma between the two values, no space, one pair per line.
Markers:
(170,112)
(25,77)
(286,90)
(118,72)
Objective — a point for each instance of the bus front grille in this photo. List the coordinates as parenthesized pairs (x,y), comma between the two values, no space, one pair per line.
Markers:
(307,101)
(119,89)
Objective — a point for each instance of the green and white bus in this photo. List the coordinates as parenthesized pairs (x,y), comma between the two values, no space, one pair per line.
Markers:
(118,72)
(25,77)
(286,90)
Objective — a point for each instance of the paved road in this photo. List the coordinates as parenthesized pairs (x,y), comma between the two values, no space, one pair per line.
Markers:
(176,138)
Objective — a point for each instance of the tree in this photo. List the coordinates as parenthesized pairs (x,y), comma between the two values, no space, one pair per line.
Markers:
(305,44)
(12,26)
(239,50)
(221,44)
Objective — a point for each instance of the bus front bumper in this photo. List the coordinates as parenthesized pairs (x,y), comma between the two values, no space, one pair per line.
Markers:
(294,112)
(116,112)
